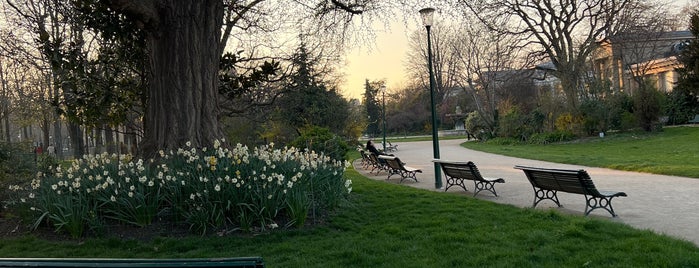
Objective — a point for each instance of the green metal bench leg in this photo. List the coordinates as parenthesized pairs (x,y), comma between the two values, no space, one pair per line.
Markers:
(484,185)
(408,175)
(541,194)
(455,182)
(599,202)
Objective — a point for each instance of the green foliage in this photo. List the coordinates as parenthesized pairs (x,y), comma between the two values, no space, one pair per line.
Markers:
(104,88)
(689,57)
(309,100)
(477,126)
(627,122)
(320,139)
(503,141)
(209,189)
(569,122)
(46,163)
(515,124)
(16,162)
(552,137)
(373,107)
(233,85)
(681,106)
(595,115)
(648,103)
(620,106)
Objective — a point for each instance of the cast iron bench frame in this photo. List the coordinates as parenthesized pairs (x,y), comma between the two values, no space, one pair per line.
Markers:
(397,167)
(377,164)
(366,162)
(456,173)
(243,262)
(547,182)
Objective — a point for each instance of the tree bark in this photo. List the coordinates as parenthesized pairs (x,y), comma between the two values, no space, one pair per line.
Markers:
(183,43)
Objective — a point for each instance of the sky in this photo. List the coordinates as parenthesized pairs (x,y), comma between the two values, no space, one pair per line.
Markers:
(384,60)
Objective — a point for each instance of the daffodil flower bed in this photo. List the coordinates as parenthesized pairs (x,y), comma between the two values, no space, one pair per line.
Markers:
(206,188)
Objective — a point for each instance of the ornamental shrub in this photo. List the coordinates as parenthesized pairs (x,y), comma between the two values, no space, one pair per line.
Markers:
(321,139)
(205,188)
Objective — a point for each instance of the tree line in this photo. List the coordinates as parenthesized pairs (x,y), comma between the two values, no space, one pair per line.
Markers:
(164,73)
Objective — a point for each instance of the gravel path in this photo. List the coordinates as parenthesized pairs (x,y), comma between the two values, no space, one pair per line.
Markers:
(664,204)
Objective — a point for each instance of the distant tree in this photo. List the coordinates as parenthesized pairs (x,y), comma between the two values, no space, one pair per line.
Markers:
(308,101)
(408,110)
(565,32)
(689,73)
(487,64)
(372,105)
(445,61)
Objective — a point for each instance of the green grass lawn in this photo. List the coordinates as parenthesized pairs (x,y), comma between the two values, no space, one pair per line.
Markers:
(388,225)
(674,151)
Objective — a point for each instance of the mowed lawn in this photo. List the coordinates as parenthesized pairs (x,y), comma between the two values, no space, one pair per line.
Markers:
(389,225)
(674,151)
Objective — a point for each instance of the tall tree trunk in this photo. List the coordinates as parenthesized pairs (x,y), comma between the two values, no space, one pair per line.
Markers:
(8,136)
(109,140)
(58,137)
(183,100)
(5,104)
(76,138)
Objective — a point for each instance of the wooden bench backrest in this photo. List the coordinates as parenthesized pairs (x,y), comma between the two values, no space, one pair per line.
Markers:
(466,170)
(373,158)
(572,181)
(393,162)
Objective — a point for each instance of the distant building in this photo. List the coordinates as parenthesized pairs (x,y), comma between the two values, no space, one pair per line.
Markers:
(625,59)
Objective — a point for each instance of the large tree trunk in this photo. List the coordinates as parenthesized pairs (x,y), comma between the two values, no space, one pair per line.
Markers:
(76,140)
(183,96)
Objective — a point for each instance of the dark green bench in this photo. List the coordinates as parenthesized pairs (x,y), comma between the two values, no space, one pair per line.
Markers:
(242,262)
(547,182)
(457,173)
(397,167)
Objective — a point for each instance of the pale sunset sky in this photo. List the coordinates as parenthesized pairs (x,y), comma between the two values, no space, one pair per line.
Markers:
(385,59)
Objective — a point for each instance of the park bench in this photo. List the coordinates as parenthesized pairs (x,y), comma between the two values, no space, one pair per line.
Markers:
(695,119)
(391,148)
(397,167)
(365,162)
(457,173)
(242,262)
(377,164)
(547,182)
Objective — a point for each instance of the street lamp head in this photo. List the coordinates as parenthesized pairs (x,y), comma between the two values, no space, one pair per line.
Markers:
(427,14)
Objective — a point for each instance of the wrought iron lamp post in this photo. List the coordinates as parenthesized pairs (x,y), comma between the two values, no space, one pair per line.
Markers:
(427,14)
(383,110)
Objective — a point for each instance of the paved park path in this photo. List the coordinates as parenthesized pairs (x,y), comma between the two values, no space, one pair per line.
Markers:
(664,204)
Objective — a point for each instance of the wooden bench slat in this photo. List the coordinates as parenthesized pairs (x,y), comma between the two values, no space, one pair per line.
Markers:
(397,167)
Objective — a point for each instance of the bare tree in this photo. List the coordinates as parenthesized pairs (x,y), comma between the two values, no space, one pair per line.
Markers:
(445,59)
(60,45)
(488,60)
(564,31)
